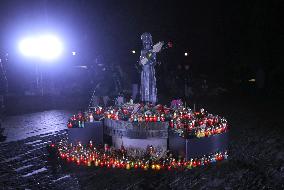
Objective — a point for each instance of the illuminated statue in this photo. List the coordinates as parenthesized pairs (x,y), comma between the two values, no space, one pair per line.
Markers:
(148,89)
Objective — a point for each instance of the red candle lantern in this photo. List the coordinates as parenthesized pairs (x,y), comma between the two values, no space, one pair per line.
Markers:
(155,118)
(97,111)
(146,118)
(69,125)
(171,124)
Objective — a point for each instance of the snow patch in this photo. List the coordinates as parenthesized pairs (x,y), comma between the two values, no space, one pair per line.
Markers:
(35,172)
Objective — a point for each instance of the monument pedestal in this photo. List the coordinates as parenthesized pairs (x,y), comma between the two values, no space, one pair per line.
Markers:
(195,147)
(91,131)
(137,134)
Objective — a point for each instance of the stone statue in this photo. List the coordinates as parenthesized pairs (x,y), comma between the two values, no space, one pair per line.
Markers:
(148,89)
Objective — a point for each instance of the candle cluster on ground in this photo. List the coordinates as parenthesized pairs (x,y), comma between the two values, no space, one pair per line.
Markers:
(197,124)
(91,115)
(127,159)
(138,113)
(182,119)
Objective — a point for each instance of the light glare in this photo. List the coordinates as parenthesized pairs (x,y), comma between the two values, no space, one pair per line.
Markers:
(28,47)
(46,47)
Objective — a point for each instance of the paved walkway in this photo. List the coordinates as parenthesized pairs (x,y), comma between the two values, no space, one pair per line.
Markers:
(24,158)
(255,155)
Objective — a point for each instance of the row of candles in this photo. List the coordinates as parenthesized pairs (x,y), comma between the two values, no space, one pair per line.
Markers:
(183,120)
(79,120)
(199,124)
(91,115)
(138,117)
(89,155)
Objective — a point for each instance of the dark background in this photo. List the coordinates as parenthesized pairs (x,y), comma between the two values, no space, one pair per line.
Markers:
(227,42)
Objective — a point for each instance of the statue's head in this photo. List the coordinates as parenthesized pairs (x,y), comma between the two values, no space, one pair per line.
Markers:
(147,40)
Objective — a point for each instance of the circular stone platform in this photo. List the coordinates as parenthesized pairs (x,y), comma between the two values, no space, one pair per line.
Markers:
(137,134)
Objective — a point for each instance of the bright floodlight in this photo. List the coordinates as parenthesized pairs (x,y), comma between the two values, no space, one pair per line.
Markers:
(28,47)
(73,53)
(185,54)
(133,51)
(46,47)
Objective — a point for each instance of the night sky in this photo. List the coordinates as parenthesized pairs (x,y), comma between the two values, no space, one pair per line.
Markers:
(221,37)
(112,28)
(233,68)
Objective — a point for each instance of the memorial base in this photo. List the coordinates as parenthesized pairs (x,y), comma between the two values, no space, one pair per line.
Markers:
(137,134)
(197,147)
(139,143)
(91,131)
